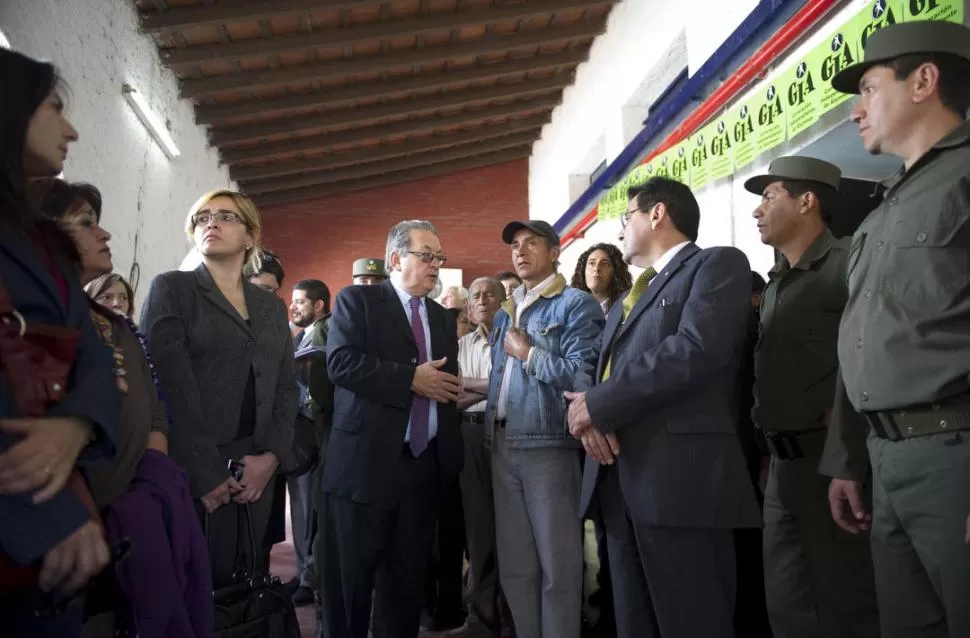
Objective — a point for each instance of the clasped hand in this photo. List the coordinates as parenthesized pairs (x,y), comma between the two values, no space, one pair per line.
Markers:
(431,382)
(517,343)
(603,448)
(44,457)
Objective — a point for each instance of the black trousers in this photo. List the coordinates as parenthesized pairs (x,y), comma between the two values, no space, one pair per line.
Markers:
(667,582)
(443,583)
(380,554)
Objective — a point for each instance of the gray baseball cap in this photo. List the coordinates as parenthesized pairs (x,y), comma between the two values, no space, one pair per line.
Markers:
(541,228)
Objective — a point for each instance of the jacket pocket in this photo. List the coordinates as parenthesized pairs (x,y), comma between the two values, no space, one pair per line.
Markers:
(346,423)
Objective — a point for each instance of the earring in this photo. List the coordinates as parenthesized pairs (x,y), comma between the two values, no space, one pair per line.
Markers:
(249,247)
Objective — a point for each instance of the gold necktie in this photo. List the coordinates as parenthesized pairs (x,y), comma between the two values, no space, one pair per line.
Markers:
(639,287)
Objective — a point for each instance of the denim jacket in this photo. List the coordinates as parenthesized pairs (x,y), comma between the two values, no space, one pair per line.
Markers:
(564,327)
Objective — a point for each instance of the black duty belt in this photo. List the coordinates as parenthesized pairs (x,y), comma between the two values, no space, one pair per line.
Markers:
(798,444)
(908,424)
(478,418)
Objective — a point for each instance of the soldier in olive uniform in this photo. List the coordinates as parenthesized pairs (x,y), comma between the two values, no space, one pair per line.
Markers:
(904,340)
(369,272)
(818,577)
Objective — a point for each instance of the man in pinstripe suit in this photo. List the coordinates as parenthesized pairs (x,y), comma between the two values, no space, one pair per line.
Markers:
(663,455)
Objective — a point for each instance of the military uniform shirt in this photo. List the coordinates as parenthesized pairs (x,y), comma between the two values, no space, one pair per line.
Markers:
(796,358)
(905,334)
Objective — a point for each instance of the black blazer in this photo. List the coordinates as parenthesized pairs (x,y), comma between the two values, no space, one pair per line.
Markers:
(672,398)
(29,530)
(372,356)
(203,352)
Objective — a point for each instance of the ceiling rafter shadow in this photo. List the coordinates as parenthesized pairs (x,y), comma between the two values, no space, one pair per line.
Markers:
(306,98)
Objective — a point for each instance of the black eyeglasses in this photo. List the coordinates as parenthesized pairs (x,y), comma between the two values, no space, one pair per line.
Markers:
(625,219)
(203,219)
(429,257)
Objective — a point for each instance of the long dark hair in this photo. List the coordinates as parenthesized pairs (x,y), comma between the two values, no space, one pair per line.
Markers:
(622,281)
(26,84)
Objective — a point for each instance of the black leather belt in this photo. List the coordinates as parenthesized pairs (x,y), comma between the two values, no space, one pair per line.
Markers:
(478,418)
(908,424)
(800,444)
(500,423)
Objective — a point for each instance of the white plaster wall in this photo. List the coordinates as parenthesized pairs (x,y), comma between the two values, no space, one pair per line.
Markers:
(637,33)
(97,47)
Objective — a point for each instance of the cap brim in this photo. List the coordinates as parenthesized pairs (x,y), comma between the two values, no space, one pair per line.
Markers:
(847,80)
(508,233)
(758,183)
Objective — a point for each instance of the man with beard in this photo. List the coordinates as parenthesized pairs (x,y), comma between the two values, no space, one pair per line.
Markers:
(309,310)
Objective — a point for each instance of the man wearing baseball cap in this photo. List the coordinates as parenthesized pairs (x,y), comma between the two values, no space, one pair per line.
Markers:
(368,271)
(818,577)
(545,342)
(904,341)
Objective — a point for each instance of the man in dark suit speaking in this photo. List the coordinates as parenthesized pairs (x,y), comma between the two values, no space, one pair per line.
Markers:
(660,428)
(392,355)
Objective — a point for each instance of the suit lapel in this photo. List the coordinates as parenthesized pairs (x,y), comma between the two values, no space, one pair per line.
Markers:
(21,248)
(212,293)
(609,333)
(260,308)
(436,321)
(396,310)
(646,301)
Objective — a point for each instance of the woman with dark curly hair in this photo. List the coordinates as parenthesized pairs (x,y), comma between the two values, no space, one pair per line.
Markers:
(602,272)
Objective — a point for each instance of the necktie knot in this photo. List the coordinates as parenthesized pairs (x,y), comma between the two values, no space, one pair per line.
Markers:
(639,287)
(415,303)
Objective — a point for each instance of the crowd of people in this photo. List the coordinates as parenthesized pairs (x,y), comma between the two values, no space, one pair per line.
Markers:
(757,458)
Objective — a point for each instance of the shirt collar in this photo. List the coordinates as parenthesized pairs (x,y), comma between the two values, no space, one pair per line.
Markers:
(960,136)
(668,257)
(815,253)
(520,294)
(402,294)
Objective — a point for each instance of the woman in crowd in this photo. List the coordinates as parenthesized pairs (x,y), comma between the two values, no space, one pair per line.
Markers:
(112,291)
(45,524)
(602,272)
(224,355)
(129,509)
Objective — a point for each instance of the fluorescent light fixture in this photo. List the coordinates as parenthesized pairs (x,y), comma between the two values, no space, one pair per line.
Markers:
(151,121)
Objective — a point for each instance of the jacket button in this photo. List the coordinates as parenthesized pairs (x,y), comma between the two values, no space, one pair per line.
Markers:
(414,360)
(921,238)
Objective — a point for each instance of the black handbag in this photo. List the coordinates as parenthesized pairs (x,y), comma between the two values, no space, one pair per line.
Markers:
(256,605)
(304,453)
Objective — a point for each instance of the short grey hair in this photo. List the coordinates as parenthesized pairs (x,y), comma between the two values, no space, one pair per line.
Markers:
(494,283)
(399,239)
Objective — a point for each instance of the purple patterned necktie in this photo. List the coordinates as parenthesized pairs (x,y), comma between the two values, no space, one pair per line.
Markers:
(420,406)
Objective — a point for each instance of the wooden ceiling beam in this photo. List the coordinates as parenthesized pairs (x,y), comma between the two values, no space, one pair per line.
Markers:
(379,168)
(201,16)
(356,136)
(378,62)
(187,57)
(372,114)
(397,177)
(529,125)
(217,113)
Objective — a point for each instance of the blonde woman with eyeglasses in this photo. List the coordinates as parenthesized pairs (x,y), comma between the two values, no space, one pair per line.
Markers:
(224,355)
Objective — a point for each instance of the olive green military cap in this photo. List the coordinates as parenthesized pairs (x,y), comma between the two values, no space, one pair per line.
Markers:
(794,168)
(889,43)
(368,267)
